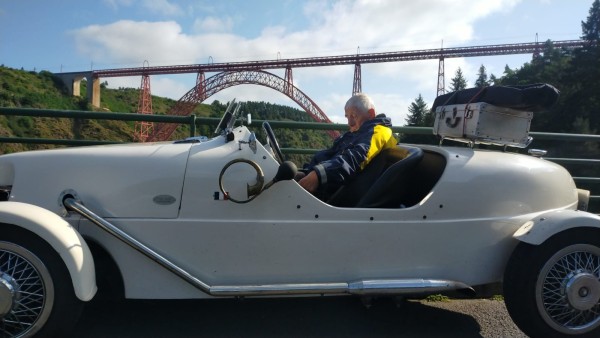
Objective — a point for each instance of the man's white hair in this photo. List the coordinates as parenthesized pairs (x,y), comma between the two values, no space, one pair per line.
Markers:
(361,102)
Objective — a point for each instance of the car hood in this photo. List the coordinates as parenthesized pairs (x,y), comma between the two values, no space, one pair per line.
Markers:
(133,180)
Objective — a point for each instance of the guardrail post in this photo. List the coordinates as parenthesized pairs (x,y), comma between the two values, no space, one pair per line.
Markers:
(192,125)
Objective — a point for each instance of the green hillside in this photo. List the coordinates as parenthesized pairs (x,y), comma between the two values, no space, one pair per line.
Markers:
(43,90)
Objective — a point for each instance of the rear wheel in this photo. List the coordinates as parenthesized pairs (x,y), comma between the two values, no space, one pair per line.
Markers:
(553,290)
(36,291)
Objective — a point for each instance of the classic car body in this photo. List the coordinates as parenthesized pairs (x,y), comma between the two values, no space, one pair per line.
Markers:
(159,221)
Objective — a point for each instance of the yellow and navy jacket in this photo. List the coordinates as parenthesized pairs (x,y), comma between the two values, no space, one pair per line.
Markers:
(352,151)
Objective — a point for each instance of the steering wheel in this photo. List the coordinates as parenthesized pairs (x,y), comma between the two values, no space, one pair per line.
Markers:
(273,142)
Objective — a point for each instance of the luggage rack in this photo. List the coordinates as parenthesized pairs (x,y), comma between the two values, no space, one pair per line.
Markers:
(472,142)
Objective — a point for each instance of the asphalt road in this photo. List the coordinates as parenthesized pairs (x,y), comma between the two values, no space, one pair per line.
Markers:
(296,317)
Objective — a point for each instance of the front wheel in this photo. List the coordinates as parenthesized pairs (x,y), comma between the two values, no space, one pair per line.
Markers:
(36,292)
(553,290)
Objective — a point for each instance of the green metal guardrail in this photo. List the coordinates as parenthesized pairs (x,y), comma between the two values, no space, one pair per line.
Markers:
(193,120)
(81,114)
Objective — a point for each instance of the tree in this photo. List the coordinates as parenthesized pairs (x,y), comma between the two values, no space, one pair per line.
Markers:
(582,89)
(417,112)
(419,116)
(458,82)
(591,28)
(548,67)
(575,73)
(482,78)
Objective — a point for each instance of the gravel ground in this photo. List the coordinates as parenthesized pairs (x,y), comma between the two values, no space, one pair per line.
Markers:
(296,317)
(491,316)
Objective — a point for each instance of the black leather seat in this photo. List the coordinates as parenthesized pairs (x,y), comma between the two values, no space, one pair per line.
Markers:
(392,187)
(350,193)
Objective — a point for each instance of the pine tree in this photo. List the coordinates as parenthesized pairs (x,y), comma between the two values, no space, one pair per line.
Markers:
(591,28)
(419,116)
(584,98)
(458,82)
(417,112)
(482,78)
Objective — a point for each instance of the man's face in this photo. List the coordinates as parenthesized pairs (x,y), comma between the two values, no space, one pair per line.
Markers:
(355,119)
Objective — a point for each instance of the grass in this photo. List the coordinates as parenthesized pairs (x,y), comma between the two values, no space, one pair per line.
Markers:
(499,298)
(437,298)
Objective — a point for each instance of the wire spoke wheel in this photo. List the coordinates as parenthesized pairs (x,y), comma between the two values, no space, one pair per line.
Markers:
(568,289)
(26,291)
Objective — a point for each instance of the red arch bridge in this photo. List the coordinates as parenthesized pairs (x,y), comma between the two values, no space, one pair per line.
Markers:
(207,87)
(253,72)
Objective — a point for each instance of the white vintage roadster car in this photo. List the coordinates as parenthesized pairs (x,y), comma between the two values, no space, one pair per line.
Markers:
(222,217)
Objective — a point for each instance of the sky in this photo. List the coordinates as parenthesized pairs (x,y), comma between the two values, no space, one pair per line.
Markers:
(70,36)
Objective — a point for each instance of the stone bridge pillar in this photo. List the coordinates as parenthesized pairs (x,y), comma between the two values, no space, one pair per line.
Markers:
(73,83)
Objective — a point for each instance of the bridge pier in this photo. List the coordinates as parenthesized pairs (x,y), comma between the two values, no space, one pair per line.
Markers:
(73,83)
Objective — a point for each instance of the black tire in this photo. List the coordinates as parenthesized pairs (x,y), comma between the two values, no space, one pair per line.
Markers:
(553,290)
(34,278)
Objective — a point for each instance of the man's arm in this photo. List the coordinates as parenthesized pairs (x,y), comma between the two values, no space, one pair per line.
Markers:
(310,182)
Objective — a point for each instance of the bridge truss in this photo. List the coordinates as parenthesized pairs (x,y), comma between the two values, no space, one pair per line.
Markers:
(252,72)
(208,87)
(425,54)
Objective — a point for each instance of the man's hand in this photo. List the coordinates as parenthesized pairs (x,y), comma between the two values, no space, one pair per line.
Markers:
(310,182)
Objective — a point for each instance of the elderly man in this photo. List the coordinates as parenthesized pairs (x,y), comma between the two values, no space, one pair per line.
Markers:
(369,134)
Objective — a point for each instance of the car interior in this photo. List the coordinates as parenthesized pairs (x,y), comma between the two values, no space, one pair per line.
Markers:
(396,178)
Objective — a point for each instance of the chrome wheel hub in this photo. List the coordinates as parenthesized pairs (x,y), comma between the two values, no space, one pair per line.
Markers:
(583,291)
(568,289)
(8,293)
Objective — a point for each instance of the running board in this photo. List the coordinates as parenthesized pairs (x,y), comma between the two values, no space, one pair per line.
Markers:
(362,287)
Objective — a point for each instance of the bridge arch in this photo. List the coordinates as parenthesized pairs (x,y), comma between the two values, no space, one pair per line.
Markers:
(205,88)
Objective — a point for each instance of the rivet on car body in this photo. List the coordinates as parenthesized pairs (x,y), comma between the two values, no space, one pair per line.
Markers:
(317,216)
(371,218)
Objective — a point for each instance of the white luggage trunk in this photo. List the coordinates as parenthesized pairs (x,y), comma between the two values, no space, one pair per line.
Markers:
(483,123)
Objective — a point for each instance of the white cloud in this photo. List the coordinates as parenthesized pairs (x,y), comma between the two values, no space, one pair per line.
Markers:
(333,28)
(341,28)
(163,7)
(115,4)
(213,25)
(133,42)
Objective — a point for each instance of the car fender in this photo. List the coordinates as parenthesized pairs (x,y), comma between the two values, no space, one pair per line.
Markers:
(539,229)
(71,247)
